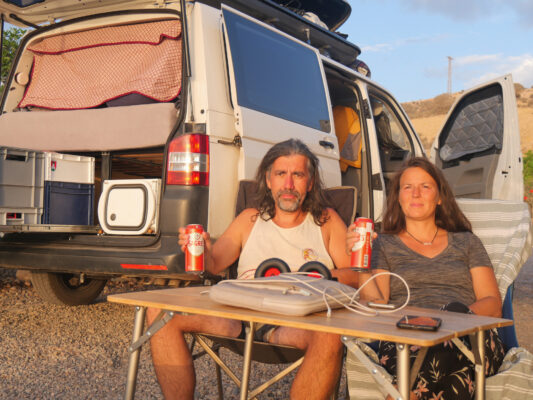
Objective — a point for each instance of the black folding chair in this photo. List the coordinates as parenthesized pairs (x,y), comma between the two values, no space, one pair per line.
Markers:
(343,200)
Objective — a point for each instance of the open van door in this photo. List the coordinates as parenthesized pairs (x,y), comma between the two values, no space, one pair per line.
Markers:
(25,13)
(478,148)
(278,92)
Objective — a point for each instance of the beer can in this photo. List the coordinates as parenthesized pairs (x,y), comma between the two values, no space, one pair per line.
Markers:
(362,249)
(194,251)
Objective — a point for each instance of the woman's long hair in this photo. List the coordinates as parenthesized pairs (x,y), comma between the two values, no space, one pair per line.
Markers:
(314,202)
(448,215)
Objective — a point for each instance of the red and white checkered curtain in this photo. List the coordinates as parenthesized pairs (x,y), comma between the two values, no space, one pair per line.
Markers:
(85,69)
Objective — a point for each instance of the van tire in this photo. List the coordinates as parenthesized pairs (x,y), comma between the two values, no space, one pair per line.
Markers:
(64,289)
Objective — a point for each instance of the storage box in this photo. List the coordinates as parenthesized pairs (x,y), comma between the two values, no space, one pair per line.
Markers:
(21,178)
(19,216)
(68,168)
(67,203)
(129,206)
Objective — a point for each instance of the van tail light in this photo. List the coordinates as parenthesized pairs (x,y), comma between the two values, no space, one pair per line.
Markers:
(188,160)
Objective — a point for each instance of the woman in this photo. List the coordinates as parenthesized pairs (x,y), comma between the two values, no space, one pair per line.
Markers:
(428,241)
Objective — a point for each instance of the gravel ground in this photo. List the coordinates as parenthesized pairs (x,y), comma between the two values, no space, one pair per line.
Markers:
(55,352)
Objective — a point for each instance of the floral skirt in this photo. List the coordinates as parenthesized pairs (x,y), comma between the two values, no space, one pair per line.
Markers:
(446,372)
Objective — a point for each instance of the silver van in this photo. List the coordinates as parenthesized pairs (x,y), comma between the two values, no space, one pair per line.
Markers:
(170,104)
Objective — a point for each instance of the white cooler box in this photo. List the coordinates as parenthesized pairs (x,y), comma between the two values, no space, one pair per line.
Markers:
(129,206)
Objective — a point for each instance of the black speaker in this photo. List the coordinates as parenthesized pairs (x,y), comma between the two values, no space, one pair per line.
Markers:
(317,267)
(271,267)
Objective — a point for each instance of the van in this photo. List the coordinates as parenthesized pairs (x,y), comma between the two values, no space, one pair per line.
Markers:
(170,104)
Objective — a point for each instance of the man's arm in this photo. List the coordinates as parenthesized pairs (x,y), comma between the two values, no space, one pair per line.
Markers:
(335,234)
(227,249)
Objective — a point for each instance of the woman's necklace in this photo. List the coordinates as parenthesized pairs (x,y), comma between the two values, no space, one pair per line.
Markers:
(424,243)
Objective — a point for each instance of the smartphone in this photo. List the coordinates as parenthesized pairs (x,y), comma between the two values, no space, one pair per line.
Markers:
(418,322)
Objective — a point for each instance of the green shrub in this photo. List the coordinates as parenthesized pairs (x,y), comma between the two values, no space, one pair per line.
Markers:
(528,177)
(12,38)
(528,168)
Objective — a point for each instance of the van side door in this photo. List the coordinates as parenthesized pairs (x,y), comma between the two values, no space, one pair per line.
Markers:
(278,92)
(392,140)
(478,148)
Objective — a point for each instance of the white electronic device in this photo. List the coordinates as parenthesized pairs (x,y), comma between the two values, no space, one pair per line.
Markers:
(288,294)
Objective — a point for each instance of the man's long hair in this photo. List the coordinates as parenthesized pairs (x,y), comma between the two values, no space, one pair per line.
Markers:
(314,202)
(448,215)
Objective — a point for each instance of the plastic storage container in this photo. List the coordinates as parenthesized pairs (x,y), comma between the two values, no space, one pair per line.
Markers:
(19,216)
(68,168)
(21,178)
(67,203)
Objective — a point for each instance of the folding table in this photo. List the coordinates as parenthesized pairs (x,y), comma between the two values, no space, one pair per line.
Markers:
(351,327)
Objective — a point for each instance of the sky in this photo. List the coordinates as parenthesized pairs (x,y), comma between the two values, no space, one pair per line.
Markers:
(406,43)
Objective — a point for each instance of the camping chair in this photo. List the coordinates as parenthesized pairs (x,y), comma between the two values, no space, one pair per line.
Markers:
(504,227)
(343,200)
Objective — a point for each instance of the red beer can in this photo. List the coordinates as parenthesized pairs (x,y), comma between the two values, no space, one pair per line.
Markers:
(362,249)
(194,252)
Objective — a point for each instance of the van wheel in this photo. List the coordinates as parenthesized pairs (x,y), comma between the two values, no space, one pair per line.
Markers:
(66,289)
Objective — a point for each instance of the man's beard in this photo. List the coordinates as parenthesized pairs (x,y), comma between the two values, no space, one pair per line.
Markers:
(288,205)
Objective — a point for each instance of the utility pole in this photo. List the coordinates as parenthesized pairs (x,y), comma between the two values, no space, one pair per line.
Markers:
(450,75)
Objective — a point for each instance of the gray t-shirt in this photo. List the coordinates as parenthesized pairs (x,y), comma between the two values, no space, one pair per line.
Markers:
(435,281)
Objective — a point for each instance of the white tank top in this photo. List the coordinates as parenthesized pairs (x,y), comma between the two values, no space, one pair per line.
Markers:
(295,246)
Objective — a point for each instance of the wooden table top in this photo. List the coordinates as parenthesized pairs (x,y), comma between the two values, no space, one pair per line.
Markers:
(195,300)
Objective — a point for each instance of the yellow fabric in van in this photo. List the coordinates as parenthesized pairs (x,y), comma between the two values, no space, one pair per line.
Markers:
(348,131)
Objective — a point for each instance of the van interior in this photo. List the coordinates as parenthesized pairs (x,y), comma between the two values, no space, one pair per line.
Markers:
(347,112)
(99,88)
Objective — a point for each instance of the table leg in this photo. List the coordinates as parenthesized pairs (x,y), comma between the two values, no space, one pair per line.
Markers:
(402,368)
(133,365)
(250,329)
(480,365)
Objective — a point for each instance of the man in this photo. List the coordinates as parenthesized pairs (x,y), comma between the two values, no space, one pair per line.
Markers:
(291,222)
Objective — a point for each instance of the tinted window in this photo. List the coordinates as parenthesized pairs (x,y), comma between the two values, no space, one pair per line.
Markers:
(276,75)
(394,143)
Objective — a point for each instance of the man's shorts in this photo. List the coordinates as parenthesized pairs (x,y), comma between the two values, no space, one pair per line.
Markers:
(262,333)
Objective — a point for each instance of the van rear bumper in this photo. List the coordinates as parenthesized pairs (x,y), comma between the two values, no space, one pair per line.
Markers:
(163,258)
(113,255)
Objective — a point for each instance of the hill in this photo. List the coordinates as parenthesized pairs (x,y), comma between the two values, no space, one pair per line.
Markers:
(428,116)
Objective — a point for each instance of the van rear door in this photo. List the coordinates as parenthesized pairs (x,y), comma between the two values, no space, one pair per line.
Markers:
(278,92)
(478,148)
(24,13)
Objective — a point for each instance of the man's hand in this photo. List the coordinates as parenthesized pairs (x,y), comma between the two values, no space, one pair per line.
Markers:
(183,239)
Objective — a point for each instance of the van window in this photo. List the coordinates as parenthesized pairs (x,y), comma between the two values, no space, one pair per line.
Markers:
(394,143)
(106,66)
(276,75)
(476,126)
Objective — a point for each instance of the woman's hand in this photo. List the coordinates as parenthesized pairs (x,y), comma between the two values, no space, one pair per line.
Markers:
(352,236)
